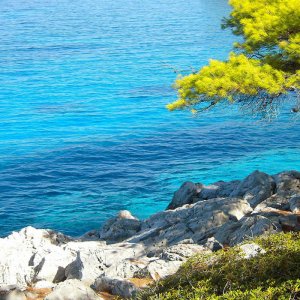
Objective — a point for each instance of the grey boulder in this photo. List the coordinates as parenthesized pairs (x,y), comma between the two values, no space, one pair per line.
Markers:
(115,286)
(287,182)
(120,228)
(218,189)
(186,194)
(295,204)
(255,188)
(72,289)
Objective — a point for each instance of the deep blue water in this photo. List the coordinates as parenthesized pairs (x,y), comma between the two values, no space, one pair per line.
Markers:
(84,132)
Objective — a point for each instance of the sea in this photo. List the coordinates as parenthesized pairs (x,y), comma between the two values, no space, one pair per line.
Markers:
(84,132)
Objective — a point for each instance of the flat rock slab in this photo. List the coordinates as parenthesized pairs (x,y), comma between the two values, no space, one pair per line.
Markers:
(73,289)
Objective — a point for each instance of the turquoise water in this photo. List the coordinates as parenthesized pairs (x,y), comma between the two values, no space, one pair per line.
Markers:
(84,132)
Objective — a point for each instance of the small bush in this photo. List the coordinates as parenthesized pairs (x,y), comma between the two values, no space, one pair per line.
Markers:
(227,275)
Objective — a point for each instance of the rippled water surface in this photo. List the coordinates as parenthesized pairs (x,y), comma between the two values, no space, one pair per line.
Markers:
(84,132)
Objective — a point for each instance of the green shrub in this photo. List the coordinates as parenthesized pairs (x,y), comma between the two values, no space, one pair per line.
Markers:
(227,275)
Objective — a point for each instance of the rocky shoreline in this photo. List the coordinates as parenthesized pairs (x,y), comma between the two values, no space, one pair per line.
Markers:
(128,254)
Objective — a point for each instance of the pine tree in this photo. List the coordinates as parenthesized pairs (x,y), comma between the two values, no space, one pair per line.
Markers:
(264,67)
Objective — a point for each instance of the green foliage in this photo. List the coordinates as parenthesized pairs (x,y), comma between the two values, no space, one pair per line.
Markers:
(265,65)
(227,275)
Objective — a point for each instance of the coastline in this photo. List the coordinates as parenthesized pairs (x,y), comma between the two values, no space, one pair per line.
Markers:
(127,254)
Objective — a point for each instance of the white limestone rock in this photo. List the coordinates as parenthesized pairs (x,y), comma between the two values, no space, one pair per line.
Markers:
(128,268)
(43,284)
(181,252)
(50,263)
(72,289)
(32,254)
(160,268)
(251,250)
(16,295)
(93,259)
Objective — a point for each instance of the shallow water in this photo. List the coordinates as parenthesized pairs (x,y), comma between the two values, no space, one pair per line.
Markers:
(84,132)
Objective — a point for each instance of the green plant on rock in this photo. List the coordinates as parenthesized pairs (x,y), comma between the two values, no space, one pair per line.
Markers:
(227,275)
